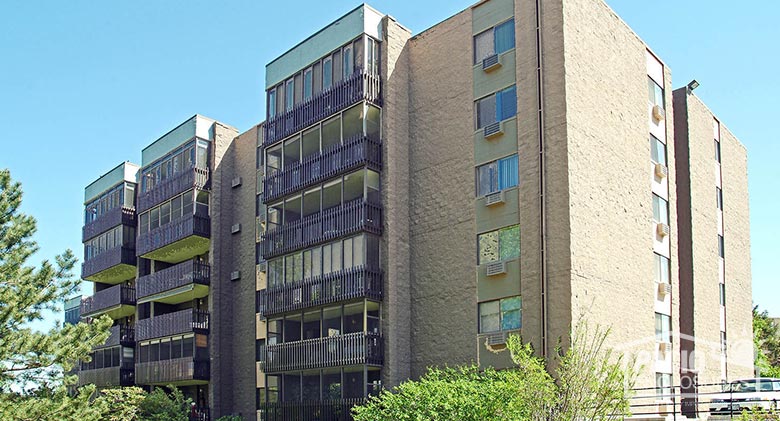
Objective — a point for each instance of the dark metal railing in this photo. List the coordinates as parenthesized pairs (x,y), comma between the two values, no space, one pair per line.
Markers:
(108,259)
(108,298)
(120,335)
(121,215)
(336,159)
(200,413)
(356,282)
(345,219)
(185,273)
(179,369)
(190,178)
(178,322)
(348,349)
(122,375)
(357,87)
(173,232)
(331,410)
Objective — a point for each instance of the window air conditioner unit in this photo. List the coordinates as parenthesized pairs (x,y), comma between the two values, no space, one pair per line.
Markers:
(662,229)
(262,266)
(235,228)
(664,289)
(235,275)
(661,171)
(495,268)
(665,347)
(493,130)
(236,182)
(658,113)
(297,297)
(491,63)
(496,341)
(496,198)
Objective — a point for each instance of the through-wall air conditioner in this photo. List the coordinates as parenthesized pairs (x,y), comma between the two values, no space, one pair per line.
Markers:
(661,171)
(235,275)
(664,289)
(235,228)
(262,266)
(665,347)
(662,229)
(495,268)
(491,63)
(493,130)
(495,341)
(235,182)
(658,113)
(496,198)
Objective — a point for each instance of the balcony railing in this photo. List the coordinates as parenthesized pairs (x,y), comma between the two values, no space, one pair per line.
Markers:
(336,159)
(120,335)
(357,87)
(331,410)
(348,349)
(171,371)
(108,259)
(179,183)
(184,321)
(185,273)
(108,298)
(173,232)
(348,218)
(121,215)
(357,282)
(108,377)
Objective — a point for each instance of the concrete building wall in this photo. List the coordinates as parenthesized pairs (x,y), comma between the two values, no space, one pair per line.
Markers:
(609,189)
(396,305)
(441,194)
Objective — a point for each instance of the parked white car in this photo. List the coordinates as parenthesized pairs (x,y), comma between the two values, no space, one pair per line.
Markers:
(746,394)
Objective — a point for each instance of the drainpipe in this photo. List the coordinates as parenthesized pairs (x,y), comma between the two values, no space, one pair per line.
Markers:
(542,182)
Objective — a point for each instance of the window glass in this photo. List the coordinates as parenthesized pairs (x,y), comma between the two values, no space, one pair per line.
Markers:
(154,219)
(483,46)
(656,93)
(307,83)
(489,318)
(327,73)
(348,253)
(201,158)
(289,95)
(272,103)
(663,385)
(186,204)
(509,242)
(486,111)
(660,210)
(719,197)
(316,262)
(298,267)
(721,246)
(510,313)
(505,36)
(658,150)
(508,172)
(336,256)
(661,269)
(165,213)
(358,250)
(487,179)
(488,247)
(717,151)
(348,64)
(317,78)
(663,328)
(176,208)
(722,290)
(337,66)
(506,103)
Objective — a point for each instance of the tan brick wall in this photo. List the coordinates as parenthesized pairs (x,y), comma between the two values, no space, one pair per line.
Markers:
(736,220)
(396,305)
(441,195)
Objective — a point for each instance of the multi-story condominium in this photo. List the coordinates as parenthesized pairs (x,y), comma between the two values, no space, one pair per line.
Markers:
(510,169)
(410,201)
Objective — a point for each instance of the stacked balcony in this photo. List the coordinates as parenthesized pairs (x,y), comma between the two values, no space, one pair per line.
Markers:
(176,323)
(360,86)
(177,240)
(185,281)
(339,350)
(176,371)
(336,410)
(122,215)
(188,179)
(121,375)
(117,301)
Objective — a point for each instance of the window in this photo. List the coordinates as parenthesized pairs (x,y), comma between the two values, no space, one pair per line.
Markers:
(307,83)
(497,175)
(661,269)
(663,385)
(495,40)
(723,343)
(722,290)
(496,107)
(721,246)
(272,103)
(660,210)
(717,151)
(500,315)
(348,64)
(719,197)
(663,328)
(657,151)
(503,244)
(656,93)
(327,73)
(289,95)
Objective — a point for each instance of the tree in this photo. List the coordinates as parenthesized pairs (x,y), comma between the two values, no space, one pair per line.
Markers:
(29,359)
(766,339)
(589,382)
(161,406)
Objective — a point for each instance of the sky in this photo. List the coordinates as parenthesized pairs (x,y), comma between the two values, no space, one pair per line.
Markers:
(85,85)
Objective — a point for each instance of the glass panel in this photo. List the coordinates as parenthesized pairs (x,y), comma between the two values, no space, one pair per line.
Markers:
(331,321)
(336,256)
(510,313)
(353,122)
(660,210)
(298,88)
(508,103)
(486,111)
(165,213)
(201,159)
(489,317)
(176,208)
(307,83)
(317,78)
(348,253)
(326,259)
(273,159)
(488,247)
(509,242)
(348,64)
(373,122)
(505,36)
(271,103)
(353,186)
(316,262)
(289,95)
(310,143)
(186,203)
(483,46)
(327,73)
(331,133)
(658,150)
(508,172)
(292,152)
(337,66)
(487,179)
(358,50)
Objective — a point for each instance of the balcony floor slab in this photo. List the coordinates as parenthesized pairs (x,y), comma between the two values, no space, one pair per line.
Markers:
(113,275)
(181,250)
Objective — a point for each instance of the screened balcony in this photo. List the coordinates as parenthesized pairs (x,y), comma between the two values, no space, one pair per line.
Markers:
(177,240)
(316,410)
(122,375)
(111,266)
(180,170)
(116,301)
(179,372)
(179,283)
(359,86)
(331,351)
(121,215)
(175,323)
(120,335)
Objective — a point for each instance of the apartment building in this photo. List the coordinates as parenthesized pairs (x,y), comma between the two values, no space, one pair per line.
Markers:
(411,200)
(512,169)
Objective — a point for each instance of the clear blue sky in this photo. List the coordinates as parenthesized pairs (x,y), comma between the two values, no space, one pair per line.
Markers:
(85,85)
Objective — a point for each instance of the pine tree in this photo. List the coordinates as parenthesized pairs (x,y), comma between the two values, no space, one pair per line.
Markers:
(30,358)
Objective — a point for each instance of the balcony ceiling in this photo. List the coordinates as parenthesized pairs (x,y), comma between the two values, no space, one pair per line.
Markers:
(113,275)
(181,250)
(178,295)
(115,312)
